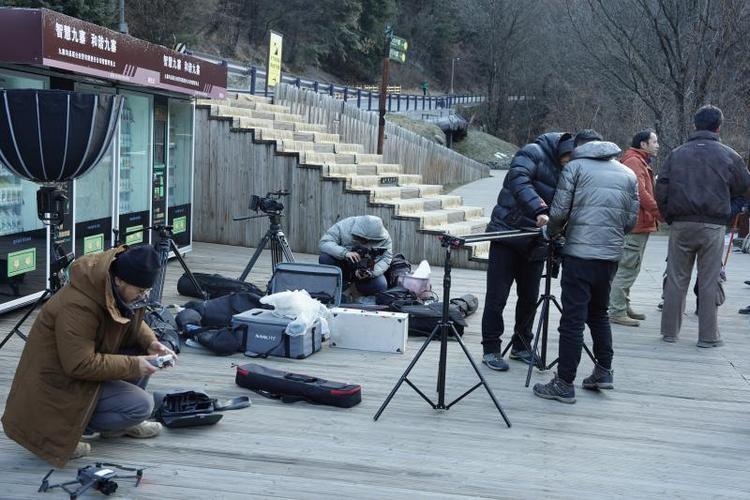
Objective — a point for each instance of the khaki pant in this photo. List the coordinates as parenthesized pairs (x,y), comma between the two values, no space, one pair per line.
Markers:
(627,272)
(688,240)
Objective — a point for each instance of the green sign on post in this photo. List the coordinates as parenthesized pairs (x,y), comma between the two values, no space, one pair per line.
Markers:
(22,261)
(93,244)
(397,52)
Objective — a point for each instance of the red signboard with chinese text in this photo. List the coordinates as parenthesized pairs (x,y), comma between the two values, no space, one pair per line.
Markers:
(47,38)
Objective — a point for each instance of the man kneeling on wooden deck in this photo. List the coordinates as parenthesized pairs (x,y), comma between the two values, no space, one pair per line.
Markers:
(73,376)
(362,248)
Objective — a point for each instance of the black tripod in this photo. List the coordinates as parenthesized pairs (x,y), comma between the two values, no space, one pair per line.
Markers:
(280,250)
(551,270)
(163,246)
(444,328)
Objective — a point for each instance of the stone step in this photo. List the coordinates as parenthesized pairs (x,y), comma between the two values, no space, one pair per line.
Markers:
(480,251)
(273,108)
(366,182)
(244,97)
(440,217)
(464,228)
(364,169)
(299,126)
(314,158)
(251,124)
(325,137)
(275,135)
(369,158)
(342,147)
(220,110)
(297,146)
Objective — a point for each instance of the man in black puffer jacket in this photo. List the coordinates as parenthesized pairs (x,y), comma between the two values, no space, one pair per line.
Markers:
(523,202)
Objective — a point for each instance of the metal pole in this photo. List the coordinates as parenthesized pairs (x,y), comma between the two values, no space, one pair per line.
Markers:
(123,25)
(381,107)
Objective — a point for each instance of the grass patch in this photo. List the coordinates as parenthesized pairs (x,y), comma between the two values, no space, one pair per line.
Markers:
(429,131)
(482,147)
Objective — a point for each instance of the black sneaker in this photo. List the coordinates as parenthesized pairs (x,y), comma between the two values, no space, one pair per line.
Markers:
(557,389)
(495,361)
(523,355)
(600,378)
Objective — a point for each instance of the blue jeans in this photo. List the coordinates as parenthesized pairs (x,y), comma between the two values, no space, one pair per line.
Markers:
(367,286)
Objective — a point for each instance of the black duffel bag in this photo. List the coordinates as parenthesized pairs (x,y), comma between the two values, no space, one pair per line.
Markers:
(467,304)
(218,312)
(215,285)
(423,318)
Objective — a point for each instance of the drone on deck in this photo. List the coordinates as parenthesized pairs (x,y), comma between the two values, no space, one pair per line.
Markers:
(100,477)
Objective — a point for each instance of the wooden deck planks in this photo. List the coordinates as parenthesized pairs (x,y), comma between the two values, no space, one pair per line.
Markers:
(677,425)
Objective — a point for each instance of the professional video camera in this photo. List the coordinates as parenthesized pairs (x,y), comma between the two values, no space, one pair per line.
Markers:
(368,256)
(269,203)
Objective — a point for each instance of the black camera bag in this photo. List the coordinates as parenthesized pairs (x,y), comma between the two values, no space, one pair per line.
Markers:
(215,285)
(293,387)
(188,408)
(423,318)
(399,266)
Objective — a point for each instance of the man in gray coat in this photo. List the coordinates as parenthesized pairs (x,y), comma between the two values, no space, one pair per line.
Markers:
(344,244)
(595,205)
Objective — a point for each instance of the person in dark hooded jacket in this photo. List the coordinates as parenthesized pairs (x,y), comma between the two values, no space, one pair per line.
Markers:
(523,202)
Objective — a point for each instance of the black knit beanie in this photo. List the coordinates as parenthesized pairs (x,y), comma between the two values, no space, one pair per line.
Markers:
(137,266)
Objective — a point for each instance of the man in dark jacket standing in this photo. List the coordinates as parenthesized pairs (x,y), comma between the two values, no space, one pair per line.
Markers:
(523,202)
(595,205)
(693,191)
(644,147)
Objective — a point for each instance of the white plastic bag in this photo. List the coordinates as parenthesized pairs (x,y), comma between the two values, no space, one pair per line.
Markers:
(304,311)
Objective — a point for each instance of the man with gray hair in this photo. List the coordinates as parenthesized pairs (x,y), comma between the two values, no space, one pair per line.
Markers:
(694,192)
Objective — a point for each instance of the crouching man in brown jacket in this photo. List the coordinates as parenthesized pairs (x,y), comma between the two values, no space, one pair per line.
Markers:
(72,378)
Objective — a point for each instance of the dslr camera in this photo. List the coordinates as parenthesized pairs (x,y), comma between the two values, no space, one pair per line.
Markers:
(368,256)
(268,204)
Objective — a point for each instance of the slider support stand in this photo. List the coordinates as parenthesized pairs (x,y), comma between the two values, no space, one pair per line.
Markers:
(551,269)
(444,328)
(280,250)
(164,245)
(55,284)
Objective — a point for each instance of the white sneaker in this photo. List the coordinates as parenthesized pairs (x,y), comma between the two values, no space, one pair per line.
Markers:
(144,430)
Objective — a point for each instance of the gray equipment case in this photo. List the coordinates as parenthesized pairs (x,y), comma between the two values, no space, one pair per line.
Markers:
(321,281)
(265,336)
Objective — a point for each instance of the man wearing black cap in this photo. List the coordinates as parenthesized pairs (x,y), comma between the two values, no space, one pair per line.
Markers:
(523,202)
(72,377)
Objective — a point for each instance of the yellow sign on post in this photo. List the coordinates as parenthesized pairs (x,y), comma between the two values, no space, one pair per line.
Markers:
(274,59)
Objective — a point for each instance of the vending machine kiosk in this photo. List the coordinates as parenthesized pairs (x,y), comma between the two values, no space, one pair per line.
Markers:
(146,176)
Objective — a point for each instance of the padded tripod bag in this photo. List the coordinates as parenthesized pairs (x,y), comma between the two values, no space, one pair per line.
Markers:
(293,387)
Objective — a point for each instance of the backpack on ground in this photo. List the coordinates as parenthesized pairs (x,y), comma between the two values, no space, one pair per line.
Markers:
(399,266)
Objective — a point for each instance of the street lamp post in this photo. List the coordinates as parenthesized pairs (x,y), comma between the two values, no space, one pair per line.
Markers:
(453,69)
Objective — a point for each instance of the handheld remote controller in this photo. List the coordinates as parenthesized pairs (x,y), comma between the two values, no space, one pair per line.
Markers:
(163,361)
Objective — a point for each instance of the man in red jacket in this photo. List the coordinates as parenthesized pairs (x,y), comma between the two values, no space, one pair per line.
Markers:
(643,148)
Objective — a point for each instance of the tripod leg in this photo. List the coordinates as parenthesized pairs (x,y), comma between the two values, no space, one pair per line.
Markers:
(256,255)
(479,374)
(588,351)
(406,372)
(442,364)
(540,325)
(527,320)
(17,327)
(185,268)
(285,248)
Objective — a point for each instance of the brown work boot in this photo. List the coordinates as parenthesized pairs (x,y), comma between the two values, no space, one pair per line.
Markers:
(624,321)
(82,450)
(144,430)
(634,315)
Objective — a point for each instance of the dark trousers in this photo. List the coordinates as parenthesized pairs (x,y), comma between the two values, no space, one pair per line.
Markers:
(369,286)
(585,299)
(506,266)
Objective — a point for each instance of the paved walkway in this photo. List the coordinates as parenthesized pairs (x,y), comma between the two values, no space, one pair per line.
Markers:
(482,193)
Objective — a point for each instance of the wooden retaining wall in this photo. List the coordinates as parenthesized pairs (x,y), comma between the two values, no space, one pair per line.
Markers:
(231,165)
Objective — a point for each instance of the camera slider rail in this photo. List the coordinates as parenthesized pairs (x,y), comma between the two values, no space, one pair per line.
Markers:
(448,240)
